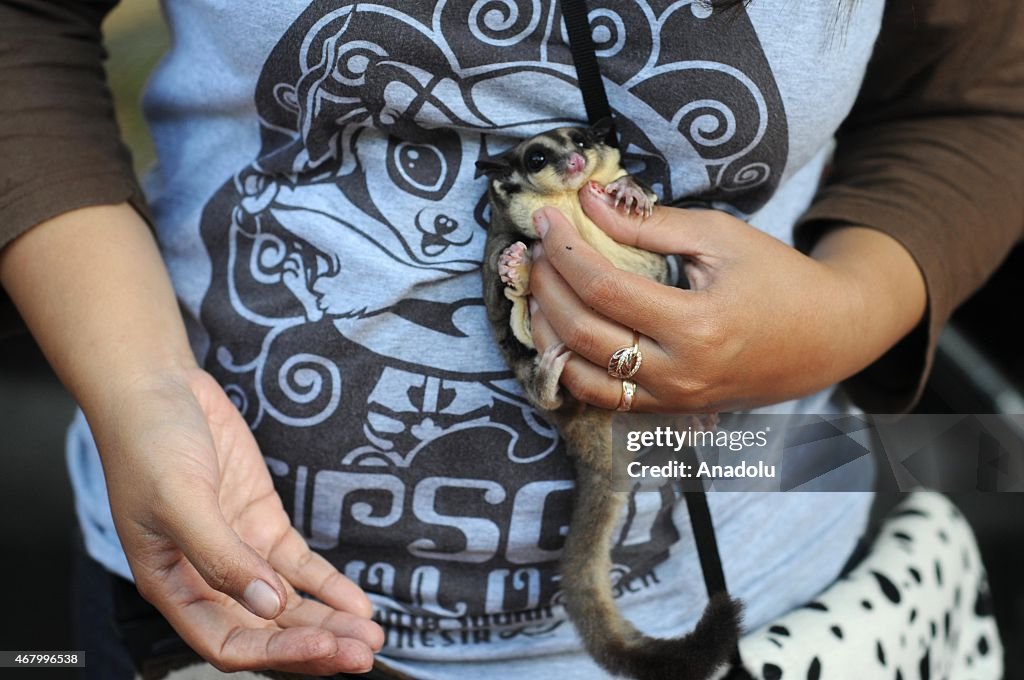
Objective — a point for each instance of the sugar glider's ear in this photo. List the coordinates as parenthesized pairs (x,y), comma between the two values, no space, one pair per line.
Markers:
(495,167)
(602,131)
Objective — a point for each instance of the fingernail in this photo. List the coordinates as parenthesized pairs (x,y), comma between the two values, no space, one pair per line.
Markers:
(540,223)
(365,664)
(261,599)
(533,305)
(599,192)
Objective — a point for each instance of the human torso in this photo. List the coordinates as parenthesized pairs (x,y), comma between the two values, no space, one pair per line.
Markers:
(321,214)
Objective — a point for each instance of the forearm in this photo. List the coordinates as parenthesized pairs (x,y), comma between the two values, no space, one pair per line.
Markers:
(92,289)
(930,155)
(886,289)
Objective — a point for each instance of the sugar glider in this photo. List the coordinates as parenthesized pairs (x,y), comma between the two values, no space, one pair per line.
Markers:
(549,170)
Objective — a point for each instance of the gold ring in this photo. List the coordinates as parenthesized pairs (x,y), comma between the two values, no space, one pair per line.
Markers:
(625,361)
(628,394)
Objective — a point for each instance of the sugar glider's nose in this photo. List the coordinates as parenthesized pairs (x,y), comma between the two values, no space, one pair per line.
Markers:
(575,163)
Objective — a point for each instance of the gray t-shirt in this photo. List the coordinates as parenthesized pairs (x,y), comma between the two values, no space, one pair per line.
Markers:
(319,209)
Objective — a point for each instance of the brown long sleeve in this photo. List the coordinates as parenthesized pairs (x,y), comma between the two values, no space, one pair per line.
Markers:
(933,154)
(60,148)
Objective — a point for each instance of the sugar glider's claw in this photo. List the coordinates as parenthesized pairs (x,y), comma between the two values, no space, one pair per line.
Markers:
(514,267)
(630,195)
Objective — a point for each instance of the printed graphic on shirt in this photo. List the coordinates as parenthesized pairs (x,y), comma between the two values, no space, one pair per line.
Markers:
(345,307)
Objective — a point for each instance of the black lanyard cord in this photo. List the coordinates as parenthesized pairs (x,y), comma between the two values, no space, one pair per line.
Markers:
(588,73)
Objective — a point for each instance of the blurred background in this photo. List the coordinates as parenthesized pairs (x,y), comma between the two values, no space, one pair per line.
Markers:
(980,369)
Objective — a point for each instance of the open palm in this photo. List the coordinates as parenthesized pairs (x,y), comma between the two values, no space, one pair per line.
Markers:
(205,533)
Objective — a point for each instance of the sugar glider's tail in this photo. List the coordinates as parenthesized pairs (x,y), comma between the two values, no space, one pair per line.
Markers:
(612,640)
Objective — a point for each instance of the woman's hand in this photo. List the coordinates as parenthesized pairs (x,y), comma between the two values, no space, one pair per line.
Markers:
(205,534)
(762,323)
(209,542)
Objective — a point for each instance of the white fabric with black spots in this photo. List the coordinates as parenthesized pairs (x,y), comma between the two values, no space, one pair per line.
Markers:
(917,607)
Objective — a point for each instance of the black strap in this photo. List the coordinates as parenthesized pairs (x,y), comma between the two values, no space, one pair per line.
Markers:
(707,552)
(707,548)
(584,57)
(707,545)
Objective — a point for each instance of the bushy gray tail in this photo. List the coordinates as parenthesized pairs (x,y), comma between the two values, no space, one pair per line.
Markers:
(609,638)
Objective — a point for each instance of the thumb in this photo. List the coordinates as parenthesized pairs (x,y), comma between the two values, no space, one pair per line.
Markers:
(666,231)
(224,560)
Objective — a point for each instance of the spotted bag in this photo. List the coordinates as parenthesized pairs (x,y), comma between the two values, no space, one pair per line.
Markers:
(916,607)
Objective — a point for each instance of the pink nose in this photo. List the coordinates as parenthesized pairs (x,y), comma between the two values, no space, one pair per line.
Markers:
(575,163)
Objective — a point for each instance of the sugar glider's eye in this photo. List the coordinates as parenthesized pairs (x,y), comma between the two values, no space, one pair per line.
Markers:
(582,144)
(536,161)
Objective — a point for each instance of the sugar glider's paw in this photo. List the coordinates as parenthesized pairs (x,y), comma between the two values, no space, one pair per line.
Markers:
(550,365)
(628,193)
(514,267)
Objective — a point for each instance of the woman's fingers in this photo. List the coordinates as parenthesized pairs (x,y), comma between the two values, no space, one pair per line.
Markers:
(311,573)
(231,646)
(303,611)
(586,382)
(592,307)
(226,563)
(340,606)
(668,231)
(590,335)
(304,636)
(298,650)
(232,639)
(630,299)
